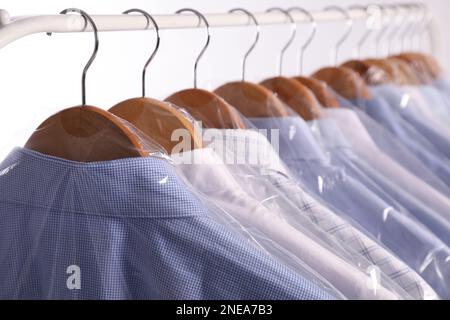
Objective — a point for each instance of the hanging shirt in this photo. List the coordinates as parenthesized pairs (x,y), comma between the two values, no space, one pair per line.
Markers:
(255,217)
(389,117)
(263,158)
(408,109)
(431,103)
(443,86)
(123,229)
(363,144)
(407,238)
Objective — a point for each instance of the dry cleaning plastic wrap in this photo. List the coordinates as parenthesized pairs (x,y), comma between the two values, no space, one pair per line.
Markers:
(388,143)
(247,193)
(406,235)
(124,229)
(307,162)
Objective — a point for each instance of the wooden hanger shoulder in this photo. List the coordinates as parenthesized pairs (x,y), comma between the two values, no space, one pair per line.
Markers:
(397,74)
(344,81)
(158,120)
(320,90)
(252,100)
(295,95)
(372,74)
(205,106)
(423,64)
(86,134)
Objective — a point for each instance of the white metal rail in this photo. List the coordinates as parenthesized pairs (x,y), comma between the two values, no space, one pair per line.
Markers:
(14,28)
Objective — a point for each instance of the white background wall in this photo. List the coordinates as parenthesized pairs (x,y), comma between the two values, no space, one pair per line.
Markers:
(40,75)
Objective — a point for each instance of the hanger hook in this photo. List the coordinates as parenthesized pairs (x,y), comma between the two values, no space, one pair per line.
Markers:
(368,31)
(158,40)
(312,34)
(291,38)
(258,31)
(344,37)
(87,18)
(385,25)
(201,18)
(411,22)
(397,26)
(426,27)
(416,20)
(424,22)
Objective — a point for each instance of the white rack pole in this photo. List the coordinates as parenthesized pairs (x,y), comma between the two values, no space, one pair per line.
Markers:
(14,28)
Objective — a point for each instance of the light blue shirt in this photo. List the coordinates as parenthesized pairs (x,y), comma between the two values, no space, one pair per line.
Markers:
(390,118)
(131,229)
(405,236)
(394,97)
(443,85)
(342,155)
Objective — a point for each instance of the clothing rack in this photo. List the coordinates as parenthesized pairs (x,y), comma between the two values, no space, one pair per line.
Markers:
(14,28)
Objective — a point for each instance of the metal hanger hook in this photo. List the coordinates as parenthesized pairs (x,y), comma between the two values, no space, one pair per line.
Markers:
(417,23)
(349,23)
(425,21)
(368,31)
(307,43)
(385,25)
(158,40)
(406,34)
(201,18)
(87,20)
(258,31)
(291,38)
(397,26)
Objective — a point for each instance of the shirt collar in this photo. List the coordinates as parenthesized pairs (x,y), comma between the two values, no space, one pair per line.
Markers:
(296,141)
(134,187)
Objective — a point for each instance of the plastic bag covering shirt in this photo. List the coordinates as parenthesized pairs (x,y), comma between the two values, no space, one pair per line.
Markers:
(256,218)
(268,167)
(341,154)
(424,102)
(433,103)
(131,228)
(406,107)
(438,218)
(258,176)
(394,148)
(443,86)
(389,118)
(409,240)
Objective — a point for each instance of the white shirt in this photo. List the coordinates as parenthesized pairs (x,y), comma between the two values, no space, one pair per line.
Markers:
(215,181)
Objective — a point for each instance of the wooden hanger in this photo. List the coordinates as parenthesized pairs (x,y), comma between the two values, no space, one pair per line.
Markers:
(320,89)
(296,96)
(86,133)
(424,65)
(205,106)
(370,73)
(299,98)
(252,100)
(342,80)
(156,119)
(396,70)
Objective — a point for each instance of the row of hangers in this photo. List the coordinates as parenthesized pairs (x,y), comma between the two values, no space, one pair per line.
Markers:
(88,134)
